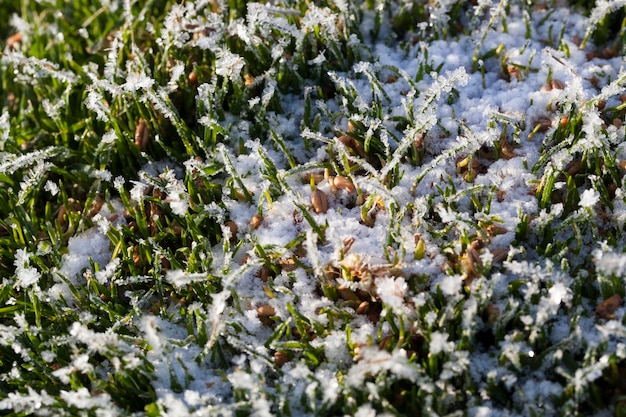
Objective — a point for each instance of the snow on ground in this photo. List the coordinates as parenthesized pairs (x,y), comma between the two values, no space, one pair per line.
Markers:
(480,100)
(469,116)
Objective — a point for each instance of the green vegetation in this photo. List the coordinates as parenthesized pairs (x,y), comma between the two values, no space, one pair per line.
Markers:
(312,208)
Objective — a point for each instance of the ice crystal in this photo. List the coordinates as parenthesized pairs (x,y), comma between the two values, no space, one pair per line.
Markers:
(589,198)
(229,65)
(35,69)
(105,275)
(180,278)
(29,403)
(439,343)
(20,24)
(5,129)
(392,292)
(602,8)
(27,276)
(51,187)
(53,110)
(175,33)
(321,19)
(138,81)
(84,400)
(96,103)
(373,361)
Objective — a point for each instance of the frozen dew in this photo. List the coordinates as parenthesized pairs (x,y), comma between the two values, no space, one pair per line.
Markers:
(560,293)
(96,103)
(27,276)
(105,276)
(51,187)
(451,285)
(229,65)
(366,410)
(119,182)
(175,34)
(583,376)
(111,68)
(138,81)
(53,110)
(589,198)
(31,402)
(601,10)
(139,190)
(177,72)
(34,70)
(373,361)
(32,179)
(176,193)
(180,278)
(439,343)
(81,364)
(63,374)
(5,129)
(109,137)
(48,356)
(84,400)
(20,24)
(102,174)
(430,318)
(392,292)
(336,348)
(321,19)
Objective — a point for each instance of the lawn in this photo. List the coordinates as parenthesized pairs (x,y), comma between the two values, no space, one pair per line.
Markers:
(312,208)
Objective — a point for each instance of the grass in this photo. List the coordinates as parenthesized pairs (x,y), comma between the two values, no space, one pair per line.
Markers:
(232,208)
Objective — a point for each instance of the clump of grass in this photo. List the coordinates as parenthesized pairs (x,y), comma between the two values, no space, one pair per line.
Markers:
(305,209)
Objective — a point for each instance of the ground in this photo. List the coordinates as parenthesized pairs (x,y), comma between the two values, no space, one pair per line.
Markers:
(312,208)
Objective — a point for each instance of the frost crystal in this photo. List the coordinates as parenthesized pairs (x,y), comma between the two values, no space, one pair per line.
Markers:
(101,174)
(51,187)
(5,129)
(84,400)
(103,277)
(53,110)
(174,33)
(118,183)
(365,410)
(20,24)
(229,65)
(138,81)
(610,263)
(177,71)
(392,292)
(375,361)
(26,275)
(96,103)
(27,403)
(589,198)
(180,278)
(439,343)
(336,348)
(560,293)
(451,285)
(601,10)
(321,19)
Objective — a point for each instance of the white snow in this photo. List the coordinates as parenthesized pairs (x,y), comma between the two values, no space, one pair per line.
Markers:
(454,113)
